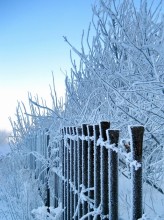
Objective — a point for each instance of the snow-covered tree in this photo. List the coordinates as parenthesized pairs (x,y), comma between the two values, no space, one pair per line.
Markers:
(121,76)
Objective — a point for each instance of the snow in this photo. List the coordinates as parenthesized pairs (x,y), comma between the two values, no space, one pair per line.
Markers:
(41,213)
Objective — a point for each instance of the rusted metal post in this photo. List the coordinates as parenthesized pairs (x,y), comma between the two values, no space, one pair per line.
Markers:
(65,174)
(85,166)
(75,172)
(113,136)
(90,165)
(47,179)
(97,162)
(68,175)
(104,125)
(63,177)
(71,174)
(136,133)
(79,145)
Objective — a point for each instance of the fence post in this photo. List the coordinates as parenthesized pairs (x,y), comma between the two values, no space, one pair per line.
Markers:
(104,171)
(65,173)
(97,179)
(68,175)
(90,166)
(42,152)
(75,173)
(84,165)
(48,168)
(79,132)
(71,174)
(58,179)
(113,136)
(63,177)
(57,189)
(136,133)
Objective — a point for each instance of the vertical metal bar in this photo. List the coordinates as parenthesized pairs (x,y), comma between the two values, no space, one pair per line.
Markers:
(57,176)
(104,171)
(90,167)
(71,174)
(113,136)
(136,133)
(97,180)
(42,150)
(75,173)
(60,167)
(68,175)
(63,177)
(55,192)
(85,165)
(65,174)
(58,188)
(79,132)
(47,137)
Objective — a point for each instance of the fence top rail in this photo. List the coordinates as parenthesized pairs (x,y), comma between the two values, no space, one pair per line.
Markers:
(108,144)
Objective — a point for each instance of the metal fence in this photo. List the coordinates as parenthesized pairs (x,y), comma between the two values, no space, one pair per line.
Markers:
(85,174)
(89,158)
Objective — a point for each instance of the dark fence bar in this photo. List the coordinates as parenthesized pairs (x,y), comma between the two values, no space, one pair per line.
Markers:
(65,176)
(104,171)
(63,169)
(71,175)
(75,173)
(113,136)
(136,133)
(68,175)
(90,166)
(85,166)
(56,177)
(97,177)
(79,132)
(47,203)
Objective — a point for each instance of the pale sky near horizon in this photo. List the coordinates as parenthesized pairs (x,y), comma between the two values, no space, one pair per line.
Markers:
(32,46)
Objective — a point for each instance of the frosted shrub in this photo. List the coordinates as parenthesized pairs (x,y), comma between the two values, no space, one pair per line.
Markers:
(120,76)
(19,190)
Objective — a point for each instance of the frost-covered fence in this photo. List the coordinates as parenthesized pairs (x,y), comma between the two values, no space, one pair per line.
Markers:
(38,152)
(83,164)
(90,157)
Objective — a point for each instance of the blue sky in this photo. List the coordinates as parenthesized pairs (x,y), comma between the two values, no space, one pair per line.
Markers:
(32,46)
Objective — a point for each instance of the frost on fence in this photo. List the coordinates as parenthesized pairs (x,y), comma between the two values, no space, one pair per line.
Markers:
(113,138)
(85,171)
(136,133)
(90,169)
